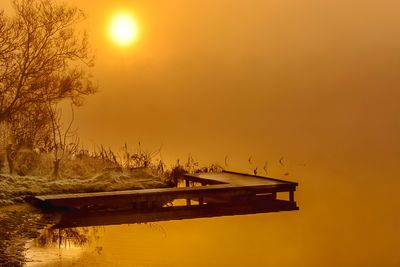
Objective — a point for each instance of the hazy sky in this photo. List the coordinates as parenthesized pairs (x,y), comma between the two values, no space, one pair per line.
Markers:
(308,80)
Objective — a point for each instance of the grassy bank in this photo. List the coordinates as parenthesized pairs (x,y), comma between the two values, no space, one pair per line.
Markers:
(33,173)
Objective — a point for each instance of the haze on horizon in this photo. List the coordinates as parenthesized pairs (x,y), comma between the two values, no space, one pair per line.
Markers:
(308,80)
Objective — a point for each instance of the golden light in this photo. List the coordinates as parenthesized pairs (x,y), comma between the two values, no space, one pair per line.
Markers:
(123,29)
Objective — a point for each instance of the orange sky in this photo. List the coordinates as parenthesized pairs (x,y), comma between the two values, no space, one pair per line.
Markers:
(307,80)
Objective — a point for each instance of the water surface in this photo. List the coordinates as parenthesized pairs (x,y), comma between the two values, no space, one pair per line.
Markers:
(341,222)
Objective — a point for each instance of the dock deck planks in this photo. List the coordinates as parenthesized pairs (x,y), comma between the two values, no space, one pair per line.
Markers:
(225,185)
(234,178)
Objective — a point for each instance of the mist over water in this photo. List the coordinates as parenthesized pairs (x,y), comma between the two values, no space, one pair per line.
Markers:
(313,82)
(309,81)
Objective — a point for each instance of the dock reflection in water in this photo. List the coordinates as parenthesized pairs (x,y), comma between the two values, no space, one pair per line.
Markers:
(75,239)
(172,213)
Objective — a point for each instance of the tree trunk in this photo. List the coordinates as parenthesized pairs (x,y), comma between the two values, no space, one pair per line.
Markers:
(10,158)
(56,164)
(3,116)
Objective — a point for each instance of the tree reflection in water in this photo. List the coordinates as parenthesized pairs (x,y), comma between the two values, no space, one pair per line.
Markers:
(66,237)
(77,237)
(156,228)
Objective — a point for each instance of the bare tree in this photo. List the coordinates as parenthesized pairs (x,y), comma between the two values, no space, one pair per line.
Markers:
(43,57)
(64,139)
(31,127)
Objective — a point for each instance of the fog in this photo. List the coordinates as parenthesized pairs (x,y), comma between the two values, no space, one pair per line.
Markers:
(307,80)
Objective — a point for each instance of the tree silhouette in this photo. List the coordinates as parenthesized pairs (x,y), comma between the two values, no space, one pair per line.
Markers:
(44,58)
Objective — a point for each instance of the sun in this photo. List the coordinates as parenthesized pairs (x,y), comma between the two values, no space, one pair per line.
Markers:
(123,29)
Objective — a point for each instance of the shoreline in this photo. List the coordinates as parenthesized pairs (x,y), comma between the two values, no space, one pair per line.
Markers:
(20,221)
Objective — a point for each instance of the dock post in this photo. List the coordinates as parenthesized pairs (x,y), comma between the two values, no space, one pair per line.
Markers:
(188,199)
(291,196)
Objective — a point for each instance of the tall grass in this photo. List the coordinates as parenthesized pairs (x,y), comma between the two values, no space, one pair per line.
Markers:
(84,163)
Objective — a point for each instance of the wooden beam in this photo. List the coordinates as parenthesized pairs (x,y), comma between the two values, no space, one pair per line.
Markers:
(291,196)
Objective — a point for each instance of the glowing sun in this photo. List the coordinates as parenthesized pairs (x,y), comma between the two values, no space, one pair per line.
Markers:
(123,29)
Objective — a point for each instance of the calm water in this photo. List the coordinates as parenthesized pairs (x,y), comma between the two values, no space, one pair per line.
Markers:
(341,222)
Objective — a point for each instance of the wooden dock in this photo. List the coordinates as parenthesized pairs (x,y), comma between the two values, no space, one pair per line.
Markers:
(203,189)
